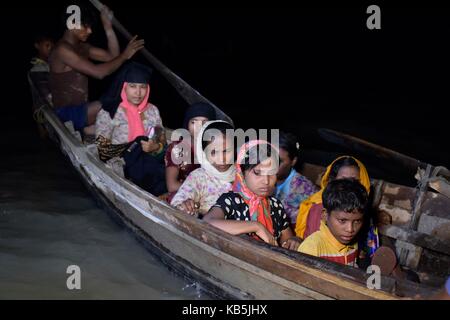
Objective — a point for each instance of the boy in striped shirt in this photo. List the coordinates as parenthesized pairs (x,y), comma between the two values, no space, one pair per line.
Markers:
(345,202)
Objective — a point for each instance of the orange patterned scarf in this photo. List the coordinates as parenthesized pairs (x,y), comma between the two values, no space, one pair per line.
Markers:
(259,206)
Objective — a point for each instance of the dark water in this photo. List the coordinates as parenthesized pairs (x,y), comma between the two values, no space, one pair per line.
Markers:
(48,221)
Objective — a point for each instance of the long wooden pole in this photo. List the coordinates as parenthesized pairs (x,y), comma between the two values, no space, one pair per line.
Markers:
(372,149)
(183,88)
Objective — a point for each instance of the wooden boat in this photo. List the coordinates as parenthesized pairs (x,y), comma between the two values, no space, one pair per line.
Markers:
(228,266)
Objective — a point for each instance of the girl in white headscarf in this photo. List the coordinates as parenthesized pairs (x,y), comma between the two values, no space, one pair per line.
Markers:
(215,153)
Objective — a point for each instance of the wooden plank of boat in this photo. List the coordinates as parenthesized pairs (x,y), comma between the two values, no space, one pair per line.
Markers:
(373,149)
(237,267)
(441,186)
(416,238)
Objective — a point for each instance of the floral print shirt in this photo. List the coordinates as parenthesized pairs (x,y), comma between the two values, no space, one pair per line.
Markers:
(293,192)
(201,187)
(117,129)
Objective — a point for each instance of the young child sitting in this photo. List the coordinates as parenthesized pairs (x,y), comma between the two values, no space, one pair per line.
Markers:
(345,202)
(39,72)
(178,170)
(249,208)
(38,77)
(310,211)
(215,153)
(123,125)
(292,188)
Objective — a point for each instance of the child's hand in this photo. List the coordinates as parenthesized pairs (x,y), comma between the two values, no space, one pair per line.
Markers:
(162,137)
(133,46)
(189,206)
(149,146)
(292,243)
(266,236)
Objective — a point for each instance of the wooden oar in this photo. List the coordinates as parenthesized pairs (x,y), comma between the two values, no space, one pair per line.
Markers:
(183,88)
(371,149)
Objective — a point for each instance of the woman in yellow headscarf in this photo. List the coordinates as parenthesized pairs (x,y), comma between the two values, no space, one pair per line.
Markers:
(310,211)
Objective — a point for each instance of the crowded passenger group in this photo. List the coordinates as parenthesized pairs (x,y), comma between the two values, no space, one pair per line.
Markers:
(253,189)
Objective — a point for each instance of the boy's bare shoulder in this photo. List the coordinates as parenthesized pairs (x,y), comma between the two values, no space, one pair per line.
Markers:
(63,47)
(60,50)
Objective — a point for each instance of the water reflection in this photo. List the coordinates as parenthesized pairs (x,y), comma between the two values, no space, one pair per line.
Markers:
(48,221)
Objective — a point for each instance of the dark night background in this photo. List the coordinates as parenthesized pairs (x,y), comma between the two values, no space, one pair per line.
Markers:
(296,69)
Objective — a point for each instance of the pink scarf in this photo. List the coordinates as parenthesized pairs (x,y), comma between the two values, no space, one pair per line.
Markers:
(259,206)
(135,124)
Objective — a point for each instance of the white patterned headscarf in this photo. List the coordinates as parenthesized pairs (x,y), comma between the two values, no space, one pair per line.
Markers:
(227,176)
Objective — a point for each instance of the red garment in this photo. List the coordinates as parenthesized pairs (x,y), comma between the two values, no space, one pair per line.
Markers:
(314,219)
(184,168)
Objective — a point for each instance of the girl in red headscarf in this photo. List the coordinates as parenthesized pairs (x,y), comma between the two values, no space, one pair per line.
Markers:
(249,208)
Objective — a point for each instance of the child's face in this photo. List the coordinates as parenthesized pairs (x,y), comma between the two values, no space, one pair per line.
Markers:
(83,33)
(195,124)
(44,48)
(220,153)
(345,226)
(286,165)
(350,172)
(136,92)
(262,178)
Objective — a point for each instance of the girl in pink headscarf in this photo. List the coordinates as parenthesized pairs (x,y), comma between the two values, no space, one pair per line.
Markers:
(249,208)
(126,119)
